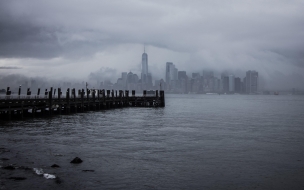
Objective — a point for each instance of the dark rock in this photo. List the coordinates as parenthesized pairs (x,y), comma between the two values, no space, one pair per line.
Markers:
(9,167)
(55,166)
(4,159)
(17,178)
(76,160)
(88,170)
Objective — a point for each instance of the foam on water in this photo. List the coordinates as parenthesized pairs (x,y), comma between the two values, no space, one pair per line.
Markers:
(39,171)
(49,176)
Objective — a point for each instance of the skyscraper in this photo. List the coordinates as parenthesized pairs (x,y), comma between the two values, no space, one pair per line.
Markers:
(231,84)
(144,68)
(237,85)
(168,73)
(208,81)
(171,75)
(251,82)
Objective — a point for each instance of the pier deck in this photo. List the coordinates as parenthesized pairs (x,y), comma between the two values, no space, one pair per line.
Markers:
(20,106)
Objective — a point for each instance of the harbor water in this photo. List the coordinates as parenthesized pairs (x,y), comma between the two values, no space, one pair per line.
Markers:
(195,142)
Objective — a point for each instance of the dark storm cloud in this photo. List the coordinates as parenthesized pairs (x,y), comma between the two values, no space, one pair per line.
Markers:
(22,37)
(51,29)
(197,34)
(24,40)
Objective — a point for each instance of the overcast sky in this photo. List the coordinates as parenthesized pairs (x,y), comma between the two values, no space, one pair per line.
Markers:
(71,39)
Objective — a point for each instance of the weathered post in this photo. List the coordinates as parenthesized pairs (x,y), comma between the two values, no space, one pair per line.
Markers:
(127,97)
(156,98)
(93,96)
(108,98)
(8,92)
(59,101)
(19,91)
(28,93)
(67,107)
(38,93)
(162,98)
(51,101)
(103,98)
(113,99)
(98,97)
(120,98)
(74,98)
(82,100)
(144,98)
(88,100)
(45,101)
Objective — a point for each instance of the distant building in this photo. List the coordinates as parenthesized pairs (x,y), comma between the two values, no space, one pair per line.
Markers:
(124,79)
(171,76)
(168,75)
(231,84)
(144,71)
(182,81)
(251,82)
(181,75)
(237,85)
(225,84)
(208,81)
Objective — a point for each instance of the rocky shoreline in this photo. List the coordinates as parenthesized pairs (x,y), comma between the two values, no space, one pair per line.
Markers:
(18,174)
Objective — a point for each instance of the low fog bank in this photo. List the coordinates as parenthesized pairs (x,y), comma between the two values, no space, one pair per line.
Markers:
(93,80)
(106,77)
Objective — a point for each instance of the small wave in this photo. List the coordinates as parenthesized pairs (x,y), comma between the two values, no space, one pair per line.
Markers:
(49,176)
(39,171)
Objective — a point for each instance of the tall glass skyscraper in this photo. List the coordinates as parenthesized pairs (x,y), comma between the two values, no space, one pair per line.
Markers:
(144,68)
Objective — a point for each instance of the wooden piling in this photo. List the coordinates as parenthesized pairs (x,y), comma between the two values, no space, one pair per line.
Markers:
(67,106)
(82,100)
(51,101)
(162,98)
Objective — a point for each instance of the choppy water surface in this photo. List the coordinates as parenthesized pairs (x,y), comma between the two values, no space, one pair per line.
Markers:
(195,142)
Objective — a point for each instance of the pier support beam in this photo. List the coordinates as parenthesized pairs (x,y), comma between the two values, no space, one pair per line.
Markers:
(51,101)
(162,98)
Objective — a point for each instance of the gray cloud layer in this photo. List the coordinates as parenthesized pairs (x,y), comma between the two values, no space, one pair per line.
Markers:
(261,35)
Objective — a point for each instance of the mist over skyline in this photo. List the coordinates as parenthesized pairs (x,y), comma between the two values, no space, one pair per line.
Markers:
(84,39)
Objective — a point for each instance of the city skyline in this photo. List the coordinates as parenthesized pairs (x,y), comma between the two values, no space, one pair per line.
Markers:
(174,81)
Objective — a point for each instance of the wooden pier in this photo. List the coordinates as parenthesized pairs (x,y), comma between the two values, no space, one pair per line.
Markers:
(52,103)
